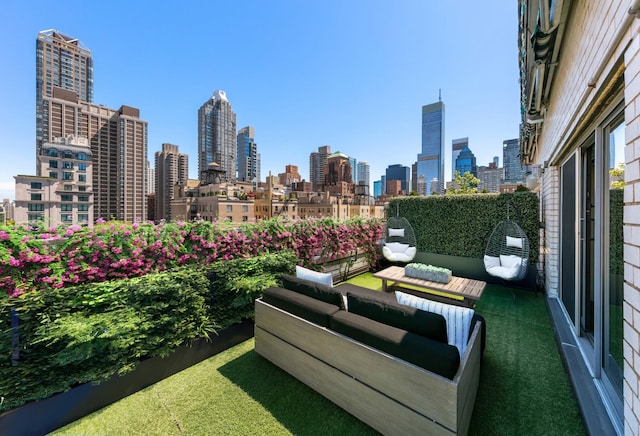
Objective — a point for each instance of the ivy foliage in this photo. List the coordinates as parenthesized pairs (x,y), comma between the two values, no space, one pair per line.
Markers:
(460,225)
(89,332)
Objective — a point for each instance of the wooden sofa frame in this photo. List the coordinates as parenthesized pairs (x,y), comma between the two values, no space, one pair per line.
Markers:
(389,394)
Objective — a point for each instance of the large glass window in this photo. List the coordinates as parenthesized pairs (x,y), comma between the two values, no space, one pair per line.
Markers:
(66,207)
(36,185)
(36,197)
(35,207)
(613,316)
(66,175)
(66,197)
(53,163)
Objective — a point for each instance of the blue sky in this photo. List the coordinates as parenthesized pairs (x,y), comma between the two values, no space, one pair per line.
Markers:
(350,74)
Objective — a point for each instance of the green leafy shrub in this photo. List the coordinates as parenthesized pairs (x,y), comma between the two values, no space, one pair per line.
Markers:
(89,332)
(237,283)
(460,225)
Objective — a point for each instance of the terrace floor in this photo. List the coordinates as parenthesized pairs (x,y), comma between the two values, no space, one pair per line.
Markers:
(523,387)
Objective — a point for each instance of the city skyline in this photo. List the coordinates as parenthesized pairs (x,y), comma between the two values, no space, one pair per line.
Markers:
(358,88)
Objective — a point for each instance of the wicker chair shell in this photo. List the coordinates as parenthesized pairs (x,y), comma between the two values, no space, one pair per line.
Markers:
(401,223)
(497,245)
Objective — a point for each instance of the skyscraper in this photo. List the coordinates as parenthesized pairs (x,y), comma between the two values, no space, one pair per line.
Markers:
(354,169)
(248,157)
(514,172)
(466,161)
(317,163)
(217,136)
(172,168)
(431,159)
(61,62)
(363,173)
(456,147)
(118,140)
(400,173)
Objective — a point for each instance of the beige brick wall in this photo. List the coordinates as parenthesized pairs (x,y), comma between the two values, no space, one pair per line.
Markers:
(632,237)
(587,57)
(550,199)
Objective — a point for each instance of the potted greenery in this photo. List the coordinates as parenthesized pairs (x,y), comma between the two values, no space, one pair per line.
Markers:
(427,272)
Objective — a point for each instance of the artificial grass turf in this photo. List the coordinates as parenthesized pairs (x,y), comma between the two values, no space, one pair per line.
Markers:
(523,387)
(236,392)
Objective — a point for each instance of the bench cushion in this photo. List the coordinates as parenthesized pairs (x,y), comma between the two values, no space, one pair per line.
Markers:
(458,318)
(434,356)
(301,305)
(312,289)
(429,324)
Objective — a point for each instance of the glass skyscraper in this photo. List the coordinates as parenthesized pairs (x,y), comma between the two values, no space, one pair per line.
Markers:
(514,172)
(466,161)
(248,157)
(217,136)
(401,173)
(456,147)
(431,160)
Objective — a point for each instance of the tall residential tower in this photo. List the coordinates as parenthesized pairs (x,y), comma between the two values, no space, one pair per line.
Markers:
(217,136)
(61,62)
(172,170)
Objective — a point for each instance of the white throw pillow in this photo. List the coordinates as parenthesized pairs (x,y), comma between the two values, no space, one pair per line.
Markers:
(396,232)
(314,276)
(458,318)
(491,261)
(514,242)
(509,261)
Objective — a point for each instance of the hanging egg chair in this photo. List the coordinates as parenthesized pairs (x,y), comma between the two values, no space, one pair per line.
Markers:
(507,253)
(400,241)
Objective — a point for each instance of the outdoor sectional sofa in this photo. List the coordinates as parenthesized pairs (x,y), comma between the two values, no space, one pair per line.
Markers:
(387,364)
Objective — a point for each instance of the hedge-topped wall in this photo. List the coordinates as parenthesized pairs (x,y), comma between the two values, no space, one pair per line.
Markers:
(460,225)
(89,332)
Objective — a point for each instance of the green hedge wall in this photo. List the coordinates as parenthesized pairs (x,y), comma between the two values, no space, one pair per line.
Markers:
(87,333)
(460,225)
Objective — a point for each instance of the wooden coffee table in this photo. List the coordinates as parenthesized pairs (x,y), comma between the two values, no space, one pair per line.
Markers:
(470,290)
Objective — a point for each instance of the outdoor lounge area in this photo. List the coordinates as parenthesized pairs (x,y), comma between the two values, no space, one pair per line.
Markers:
(90,330)
(523,387)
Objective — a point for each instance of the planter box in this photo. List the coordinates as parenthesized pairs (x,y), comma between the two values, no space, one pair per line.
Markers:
(44,416)
(432,276)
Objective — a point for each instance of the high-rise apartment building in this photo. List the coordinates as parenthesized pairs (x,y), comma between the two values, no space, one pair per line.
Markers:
(457,145)
(431,159)
(61,62)
(514,172)
(172,171)
(362,173)
(63,193)
(466,162)
(317,164)
(118,138)
(490,178)
(399,173)
(217,136)
(151,178)
(248,157)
